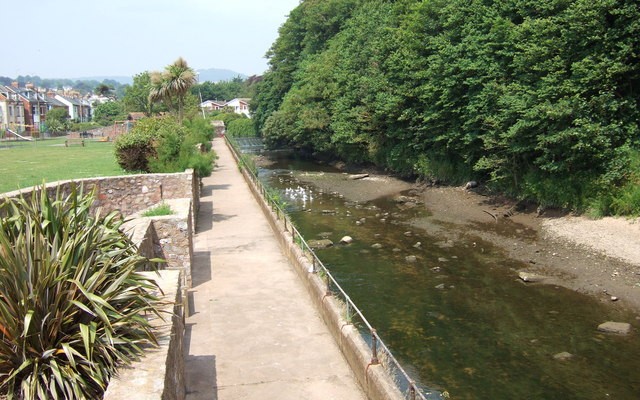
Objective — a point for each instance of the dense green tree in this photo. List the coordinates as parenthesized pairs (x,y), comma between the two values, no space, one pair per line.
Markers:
(107,113)
(226,90)
(537,98)
(103,90)
(305,33)
(136,96)
(58,114)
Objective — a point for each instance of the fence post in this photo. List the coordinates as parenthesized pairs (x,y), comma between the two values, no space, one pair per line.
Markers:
(374,347)
(327,283)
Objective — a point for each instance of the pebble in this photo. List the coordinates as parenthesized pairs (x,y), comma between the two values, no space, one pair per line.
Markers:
(564,356)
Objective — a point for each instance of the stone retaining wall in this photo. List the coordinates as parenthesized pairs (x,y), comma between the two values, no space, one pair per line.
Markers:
(160,374)
(373,378)
(169,237)
(130,193)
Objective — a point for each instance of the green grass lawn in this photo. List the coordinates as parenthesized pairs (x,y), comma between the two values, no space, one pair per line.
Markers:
(27,164)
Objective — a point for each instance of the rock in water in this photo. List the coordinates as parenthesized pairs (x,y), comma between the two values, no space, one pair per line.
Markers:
(346,240)
(620,328)
(564,356)
(355,177)
(320,243)
(530,277)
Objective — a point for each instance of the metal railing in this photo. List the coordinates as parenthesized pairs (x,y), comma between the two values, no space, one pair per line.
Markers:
(380,353)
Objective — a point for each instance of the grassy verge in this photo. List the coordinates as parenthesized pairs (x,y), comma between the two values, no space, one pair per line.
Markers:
(26,164)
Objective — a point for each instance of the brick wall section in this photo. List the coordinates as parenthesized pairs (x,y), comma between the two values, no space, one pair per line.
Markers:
(131,193)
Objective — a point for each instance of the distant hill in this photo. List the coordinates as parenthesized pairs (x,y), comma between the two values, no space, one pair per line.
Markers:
(123,80)
(217,75)
(210,74)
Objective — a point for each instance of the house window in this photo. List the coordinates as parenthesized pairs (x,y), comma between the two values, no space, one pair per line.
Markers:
(11,111)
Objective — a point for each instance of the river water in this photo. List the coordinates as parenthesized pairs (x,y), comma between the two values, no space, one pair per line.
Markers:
(458,319)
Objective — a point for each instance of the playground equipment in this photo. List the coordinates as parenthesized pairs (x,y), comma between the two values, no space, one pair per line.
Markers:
(18,136)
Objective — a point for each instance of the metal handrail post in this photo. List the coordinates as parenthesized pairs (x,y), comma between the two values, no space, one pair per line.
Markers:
(374,347)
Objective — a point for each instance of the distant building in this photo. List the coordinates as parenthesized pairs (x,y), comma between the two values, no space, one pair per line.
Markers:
(79,109)
(212,105)
(239,106)
(11,110)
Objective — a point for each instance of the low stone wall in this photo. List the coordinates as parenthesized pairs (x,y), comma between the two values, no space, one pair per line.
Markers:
(160,374)
(373,378)
(130,193)
(169,237)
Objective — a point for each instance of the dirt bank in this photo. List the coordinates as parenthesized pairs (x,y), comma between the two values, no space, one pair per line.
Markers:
(597,257)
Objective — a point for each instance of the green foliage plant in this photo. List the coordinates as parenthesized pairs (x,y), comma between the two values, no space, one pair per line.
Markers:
(60,115)
(535,98)
(107,113)
(163,145)
(72,304)
(159,210)
(242,127)
(134,149)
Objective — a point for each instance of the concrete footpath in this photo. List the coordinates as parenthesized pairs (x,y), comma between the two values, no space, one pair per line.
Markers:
(251,330)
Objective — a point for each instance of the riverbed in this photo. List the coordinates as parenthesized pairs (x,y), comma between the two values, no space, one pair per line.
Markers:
(437,272)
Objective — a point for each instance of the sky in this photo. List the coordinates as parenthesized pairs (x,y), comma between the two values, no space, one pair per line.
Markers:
(76,39)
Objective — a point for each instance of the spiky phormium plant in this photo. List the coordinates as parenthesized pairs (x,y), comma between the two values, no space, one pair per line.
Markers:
(72,303)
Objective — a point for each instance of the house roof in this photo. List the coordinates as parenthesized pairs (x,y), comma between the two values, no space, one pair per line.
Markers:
(215,102)
(71,100)
(55,102)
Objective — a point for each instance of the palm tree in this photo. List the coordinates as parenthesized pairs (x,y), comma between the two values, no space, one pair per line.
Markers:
(172,85)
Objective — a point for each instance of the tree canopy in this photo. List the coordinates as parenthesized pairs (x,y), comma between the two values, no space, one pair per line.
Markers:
(537,98)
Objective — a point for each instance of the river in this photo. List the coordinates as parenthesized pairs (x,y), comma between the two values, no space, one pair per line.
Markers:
(458,318)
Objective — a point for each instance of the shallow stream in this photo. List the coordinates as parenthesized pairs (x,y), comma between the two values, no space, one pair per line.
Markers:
(458,318)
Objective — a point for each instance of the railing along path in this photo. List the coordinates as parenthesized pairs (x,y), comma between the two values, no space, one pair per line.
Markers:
(380,353)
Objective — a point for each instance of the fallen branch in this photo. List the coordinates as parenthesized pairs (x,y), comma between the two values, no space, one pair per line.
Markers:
(495,217)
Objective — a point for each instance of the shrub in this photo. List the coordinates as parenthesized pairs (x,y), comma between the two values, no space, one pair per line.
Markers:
(71,301)
(200,128)
(163,145)
(242,127)
(226,116)
(133,150)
